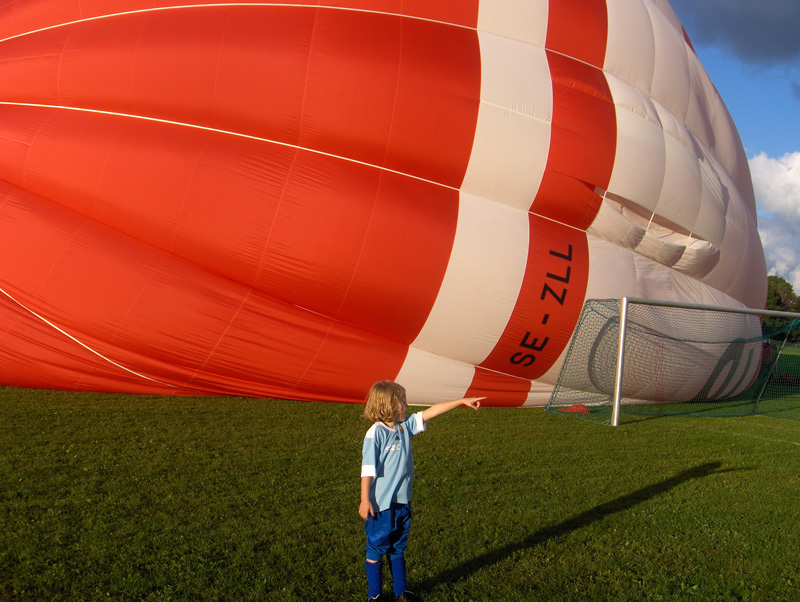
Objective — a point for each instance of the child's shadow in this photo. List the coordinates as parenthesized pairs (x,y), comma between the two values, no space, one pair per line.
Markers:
(598,512)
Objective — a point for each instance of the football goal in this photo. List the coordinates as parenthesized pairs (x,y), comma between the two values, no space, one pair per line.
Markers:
(646,357)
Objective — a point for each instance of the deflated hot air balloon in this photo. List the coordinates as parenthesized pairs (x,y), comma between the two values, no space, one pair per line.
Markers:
(295,201)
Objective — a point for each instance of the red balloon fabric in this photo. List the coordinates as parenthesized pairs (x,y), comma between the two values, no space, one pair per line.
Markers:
(293,200)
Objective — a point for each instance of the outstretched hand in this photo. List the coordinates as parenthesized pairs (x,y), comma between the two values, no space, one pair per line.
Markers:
(446,406)
(473,402)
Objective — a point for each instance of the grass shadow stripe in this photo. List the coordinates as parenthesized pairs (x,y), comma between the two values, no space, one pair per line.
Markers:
(584,519)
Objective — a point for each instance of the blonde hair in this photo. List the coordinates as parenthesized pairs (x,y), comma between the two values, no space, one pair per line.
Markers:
(383,399)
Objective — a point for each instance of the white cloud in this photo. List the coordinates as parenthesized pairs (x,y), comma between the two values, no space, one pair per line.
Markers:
(777,188)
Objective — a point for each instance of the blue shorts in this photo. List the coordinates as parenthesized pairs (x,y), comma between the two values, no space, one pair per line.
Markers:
(387,532)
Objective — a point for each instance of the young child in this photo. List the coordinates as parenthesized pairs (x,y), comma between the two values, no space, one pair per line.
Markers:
(387,475)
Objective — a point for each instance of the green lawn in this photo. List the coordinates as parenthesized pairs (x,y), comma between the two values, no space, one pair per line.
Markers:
(115,497)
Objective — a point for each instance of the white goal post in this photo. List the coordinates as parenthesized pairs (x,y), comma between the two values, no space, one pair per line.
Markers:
(624,317)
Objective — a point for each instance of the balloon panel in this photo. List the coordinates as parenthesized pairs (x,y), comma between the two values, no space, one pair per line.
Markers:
(294,201)
(226,64)
(578,30)
(581,144)
(201,326)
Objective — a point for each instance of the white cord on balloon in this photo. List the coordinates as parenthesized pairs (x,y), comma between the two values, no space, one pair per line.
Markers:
(82,344)
(225,132)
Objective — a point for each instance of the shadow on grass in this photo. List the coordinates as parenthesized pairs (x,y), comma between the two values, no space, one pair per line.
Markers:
(582,520)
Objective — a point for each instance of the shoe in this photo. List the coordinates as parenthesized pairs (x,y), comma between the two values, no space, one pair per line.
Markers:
(380,598)
(408,597)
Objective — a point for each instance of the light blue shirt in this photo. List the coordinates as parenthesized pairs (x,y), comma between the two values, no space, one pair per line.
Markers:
(387,457)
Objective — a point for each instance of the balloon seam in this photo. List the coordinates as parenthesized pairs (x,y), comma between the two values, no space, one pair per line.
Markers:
(230,133)
(236,4)
(82,344)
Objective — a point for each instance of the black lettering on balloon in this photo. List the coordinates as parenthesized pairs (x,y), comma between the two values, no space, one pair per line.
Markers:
(537,343)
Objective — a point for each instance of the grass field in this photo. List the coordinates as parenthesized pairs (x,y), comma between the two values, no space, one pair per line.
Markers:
(114,497)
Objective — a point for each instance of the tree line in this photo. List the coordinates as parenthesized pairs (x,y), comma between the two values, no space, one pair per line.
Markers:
(781,297)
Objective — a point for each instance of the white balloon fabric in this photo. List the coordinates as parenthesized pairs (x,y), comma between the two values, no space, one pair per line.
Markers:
(294,200)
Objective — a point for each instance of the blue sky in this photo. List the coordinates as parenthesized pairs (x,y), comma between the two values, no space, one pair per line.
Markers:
(751,51)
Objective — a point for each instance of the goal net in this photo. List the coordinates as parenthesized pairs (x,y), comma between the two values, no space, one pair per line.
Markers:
(679,359)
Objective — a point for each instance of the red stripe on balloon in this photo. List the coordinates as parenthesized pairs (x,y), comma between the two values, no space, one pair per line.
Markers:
(688,40)
(578,169)
(501,390)
(549,301)
(578,29)
(582,144)
(583,135)
(580,160)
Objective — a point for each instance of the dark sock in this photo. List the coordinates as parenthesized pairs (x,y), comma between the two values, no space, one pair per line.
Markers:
(375,578)
(399,575)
